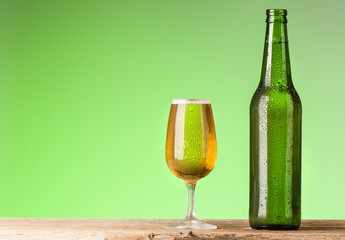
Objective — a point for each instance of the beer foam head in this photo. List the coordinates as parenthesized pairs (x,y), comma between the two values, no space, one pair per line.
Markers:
(191,101)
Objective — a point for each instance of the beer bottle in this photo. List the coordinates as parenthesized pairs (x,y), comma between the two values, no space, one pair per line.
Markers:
(275,136)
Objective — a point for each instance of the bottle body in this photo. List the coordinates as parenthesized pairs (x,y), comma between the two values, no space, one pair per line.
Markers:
(275,139)
(275,160)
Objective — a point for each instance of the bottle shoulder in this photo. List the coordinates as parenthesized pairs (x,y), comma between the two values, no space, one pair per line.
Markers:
(276,95)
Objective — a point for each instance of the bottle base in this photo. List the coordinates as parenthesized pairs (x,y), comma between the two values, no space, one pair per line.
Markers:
(273,227)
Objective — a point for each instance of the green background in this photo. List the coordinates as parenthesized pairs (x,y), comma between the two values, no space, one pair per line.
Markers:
(85,93)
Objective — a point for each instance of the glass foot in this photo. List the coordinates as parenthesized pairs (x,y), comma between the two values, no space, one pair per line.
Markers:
(191,224)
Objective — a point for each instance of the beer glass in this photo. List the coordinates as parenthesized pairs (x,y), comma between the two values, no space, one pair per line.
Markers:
(191,150)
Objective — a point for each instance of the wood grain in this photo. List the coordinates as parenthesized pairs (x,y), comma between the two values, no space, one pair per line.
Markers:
(148,229)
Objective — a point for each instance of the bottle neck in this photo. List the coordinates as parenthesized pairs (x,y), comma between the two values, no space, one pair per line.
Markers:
(276,70)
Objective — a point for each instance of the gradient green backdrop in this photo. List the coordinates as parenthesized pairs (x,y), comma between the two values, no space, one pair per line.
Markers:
(85,92)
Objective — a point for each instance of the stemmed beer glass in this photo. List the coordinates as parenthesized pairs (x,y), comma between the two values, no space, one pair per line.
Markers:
(191,150)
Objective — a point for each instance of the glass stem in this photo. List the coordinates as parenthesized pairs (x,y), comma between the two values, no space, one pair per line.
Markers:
(190,198)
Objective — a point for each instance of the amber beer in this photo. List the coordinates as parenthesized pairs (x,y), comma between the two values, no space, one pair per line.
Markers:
(191,147)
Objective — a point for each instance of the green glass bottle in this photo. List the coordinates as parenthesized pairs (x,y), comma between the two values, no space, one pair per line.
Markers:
(275,136)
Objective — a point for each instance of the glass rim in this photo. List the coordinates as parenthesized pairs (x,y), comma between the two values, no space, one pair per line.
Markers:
(191,101)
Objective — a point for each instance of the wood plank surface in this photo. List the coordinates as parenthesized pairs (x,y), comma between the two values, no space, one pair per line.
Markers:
(148,229)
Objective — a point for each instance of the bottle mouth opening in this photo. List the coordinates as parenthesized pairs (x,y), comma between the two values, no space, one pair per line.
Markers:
(276,12)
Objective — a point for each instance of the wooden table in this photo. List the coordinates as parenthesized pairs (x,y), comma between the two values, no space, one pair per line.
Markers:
(108,229)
